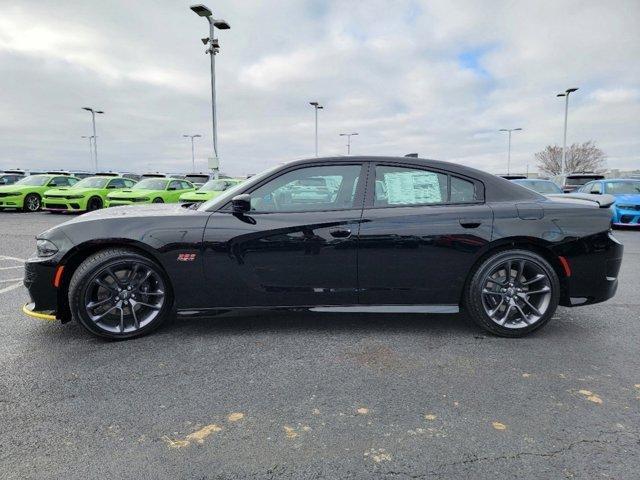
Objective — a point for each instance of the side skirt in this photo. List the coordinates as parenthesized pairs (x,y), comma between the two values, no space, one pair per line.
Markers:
(429,309)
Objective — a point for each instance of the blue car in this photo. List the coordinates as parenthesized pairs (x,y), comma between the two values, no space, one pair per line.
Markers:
(626,209)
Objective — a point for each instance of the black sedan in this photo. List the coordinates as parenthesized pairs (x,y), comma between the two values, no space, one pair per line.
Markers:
(353,234)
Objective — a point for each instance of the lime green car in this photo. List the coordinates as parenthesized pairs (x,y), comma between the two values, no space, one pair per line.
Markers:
(26,194)
(86,195)
(151,190)
(210,190)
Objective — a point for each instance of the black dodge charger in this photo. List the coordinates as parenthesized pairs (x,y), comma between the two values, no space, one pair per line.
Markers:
(354,234)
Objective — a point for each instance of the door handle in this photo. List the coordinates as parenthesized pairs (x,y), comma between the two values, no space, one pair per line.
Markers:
(340,232)
(470,222)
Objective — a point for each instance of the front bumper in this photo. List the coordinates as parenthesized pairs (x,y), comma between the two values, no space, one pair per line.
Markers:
(626,217)
(15,201)
(61,204)
(38,278)
(124,203)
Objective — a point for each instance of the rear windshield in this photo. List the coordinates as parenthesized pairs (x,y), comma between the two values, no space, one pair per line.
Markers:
(197,178)
(582,179)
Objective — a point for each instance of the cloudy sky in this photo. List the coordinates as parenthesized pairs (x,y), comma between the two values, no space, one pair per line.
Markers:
(435,77)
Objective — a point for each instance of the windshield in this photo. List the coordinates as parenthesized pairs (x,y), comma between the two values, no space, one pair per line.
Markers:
(233,191)
(214,186)
(196,178)
(151,184)
(34,180)
(582,180)
(622,188)
(92,182)
(541,186)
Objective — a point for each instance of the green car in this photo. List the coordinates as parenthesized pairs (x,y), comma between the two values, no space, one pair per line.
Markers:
(210,190)
(27,193)
(86,195)
(151,190)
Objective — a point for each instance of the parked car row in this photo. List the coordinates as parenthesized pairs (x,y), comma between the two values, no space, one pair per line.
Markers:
(625,211)
(63,192)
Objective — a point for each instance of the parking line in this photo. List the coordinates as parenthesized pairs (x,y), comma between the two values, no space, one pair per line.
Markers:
(4,257)
(10,268)
(5,280)
(10,287)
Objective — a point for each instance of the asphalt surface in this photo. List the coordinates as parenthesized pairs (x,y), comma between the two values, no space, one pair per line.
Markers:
(298,395)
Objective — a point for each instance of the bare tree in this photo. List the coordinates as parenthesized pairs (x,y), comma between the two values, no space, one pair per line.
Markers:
(581,157)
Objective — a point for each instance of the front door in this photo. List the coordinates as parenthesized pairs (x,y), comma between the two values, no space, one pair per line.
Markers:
(419,236)
(296,247)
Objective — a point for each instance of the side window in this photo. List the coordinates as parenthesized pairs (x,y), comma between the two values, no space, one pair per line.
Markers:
(186,185)
(596,188)
(71,181)
(462,190)
(116,183)
(128,183)
(174,185)
(330,187)
(59,182)
(408,186)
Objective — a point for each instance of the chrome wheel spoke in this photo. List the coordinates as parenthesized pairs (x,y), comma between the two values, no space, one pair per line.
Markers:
(537,278)
(121,320)
(544,289)
(99,303)
(114,277)
(489,292)
(136,323)
(522,314)
(533,309)
(148,305)
(103,314)
(105,285)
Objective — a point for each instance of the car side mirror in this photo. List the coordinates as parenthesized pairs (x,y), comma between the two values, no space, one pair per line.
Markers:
(241,203)
(172,188)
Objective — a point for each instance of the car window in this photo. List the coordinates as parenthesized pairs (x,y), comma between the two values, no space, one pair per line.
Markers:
(623,188)
(117,183)
(596,188)
(185,185)
(409,186)
(329,187)
(174,185)
(60,182)
(462,191)
(128,183)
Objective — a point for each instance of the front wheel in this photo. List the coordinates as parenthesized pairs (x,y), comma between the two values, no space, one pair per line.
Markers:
(94,203)
(512,293)
(31,203)
(118,293)
(158,200)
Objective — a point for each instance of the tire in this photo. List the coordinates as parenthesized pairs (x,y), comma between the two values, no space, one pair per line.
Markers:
(158,200)
(119,312)
(489,293)
(32,203)
(94,203)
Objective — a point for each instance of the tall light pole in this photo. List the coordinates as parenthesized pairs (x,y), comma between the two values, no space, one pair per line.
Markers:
(566,114)
(214,48)
(509,150)
(348,135)
(193,152)
(316,107)
(95,143)
(90,137)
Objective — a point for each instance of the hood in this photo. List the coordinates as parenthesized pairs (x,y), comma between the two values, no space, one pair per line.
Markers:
(69,190)
(132,211)
(15,188)
(128,193)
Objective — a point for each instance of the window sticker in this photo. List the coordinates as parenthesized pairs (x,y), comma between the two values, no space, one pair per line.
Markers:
(412,187)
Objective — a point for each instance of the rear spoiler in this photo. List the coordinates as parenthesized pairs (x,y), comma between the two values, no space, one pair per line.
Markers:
(603,200)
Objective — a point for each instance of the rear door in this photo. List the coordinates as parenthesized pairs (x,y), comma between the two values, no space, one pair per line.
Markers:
(420,232)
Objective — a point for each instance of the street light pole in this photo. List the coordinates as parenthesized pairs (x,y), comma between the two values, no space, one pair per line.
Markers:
(316,107)
(509,150)
(348,135)
(95,143)
(90,137)
(566,115)
(193,152)
(214,48)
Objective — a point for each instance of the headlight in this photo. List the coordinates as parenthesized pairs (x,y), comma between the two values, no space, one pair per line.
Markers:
(13,194)
(46,248)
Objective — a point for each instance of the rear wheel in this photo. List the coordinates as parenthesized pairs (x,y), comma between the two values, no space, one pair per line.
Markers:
(31,203)
(513,293)
(158,200)
(94,203)
(117,293)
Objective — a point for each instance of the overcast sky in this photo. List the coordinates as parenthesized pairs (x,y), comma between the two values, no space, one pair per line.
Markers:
(434,77)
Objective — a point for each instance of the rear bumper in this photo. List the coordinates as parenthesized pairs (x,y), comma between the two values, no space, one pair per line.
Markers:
(595,262)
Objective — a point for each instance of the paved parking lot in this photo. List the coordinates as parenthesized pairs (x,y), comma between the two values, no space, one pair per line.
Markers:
(302,395)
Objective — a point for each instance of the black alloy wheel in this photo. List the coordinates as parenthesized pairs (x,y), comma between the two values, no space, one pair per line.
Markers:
(158,200)
(118,293)
(513,293)
(94,203)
